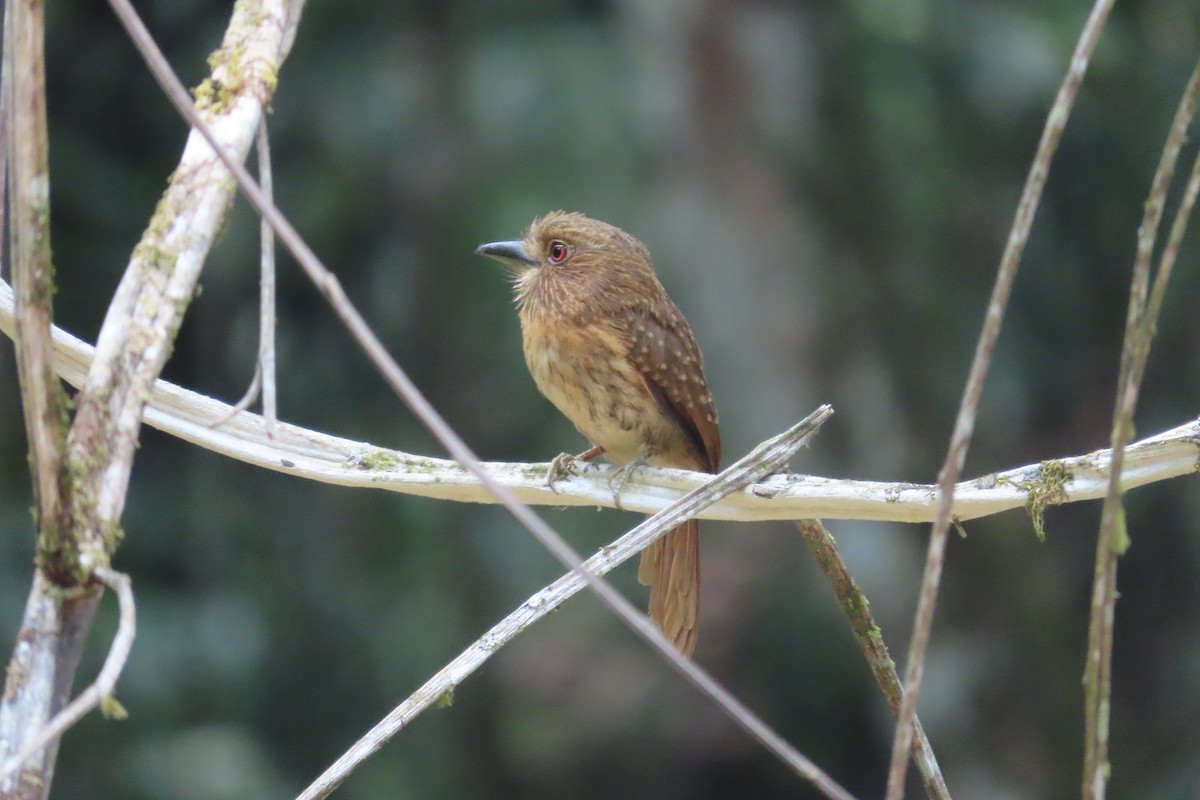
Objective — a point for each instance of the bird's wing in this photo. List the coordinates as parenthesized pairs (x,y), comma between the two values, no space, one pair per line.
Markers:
(664,351)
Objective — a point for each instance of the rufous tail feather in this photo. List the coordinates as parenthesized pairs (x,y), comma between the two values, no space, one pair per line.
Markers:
(671,568)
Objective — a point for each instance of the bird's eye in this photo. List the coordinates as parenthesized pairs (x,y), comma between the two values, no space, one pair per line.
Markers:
(558,251)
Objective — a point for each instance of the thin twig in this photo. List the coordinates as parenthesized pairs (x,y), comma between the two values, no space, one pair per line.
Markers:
(37,677)
(312,455)
(100,692)
(768,457)
(247,399)
(266,302)
(264,364)
(44,402)
(1112,537)
(964,424)
(870,639)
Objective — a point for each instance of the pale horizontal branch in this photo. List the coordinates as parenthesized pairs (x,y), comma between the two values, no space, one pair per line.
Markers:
(331,459)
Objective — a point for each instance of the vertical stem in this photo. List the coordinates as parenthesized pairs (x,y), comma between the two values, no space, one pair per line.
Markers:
(38,682)
(1113,538)
(964,425)
(39,676)
(266,308)
(862,622)
(45,405)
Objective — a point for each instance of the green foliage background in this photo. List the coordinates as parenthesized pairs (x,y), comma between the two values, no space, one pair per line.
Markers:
(826,188)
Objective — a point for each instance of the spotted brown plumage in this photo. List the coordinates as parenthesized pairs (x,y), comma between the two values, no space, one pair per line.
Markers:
(609,349)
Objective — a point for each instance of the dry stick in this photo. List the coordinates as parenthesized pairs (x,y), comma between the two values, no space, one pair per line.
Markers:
(48,646)
(46,653)
(858,610)
(964,424)
(266,300)
(264,366)
(329,286)
(765,459)
(247,399)
(1112,537)
(307,454)
(100,693)
(33,275)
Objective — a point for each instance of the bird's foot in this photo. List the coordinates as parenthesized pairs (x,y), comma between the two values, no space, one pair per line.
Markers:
(564,465)
(618,480)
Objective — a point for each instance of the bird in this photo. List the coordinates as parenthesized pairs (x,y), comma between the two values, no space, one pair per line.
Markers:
(612,352)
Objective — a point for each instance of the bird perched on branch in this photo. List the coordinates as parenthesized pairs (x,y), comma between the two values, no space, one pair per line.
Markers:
(611,351)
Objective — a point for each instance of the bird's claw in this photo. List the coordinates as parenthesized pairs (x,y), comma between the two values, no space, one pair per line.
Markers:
(565,465)
(562,466)
(621,477)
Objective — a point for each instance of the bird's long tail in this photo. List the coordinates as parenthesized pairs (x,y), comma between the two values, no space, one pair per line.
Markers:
(671,568)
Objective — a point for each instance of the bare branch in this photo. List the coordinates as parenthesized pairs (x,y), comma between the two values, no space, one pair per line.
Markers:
(1112,538)
(266,303)
(248,398)
(263,380)
(766,458)
(39,673)
(101,690)
(862,622)
(964,424)
(45,407)
(330,459)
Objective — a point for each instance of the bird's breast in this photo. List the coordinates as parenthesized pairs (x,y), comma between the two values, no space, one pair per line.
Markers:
(584,370)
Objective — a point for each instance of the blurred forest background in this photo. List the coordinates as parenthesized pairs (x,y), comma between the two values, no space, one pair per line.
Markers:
(826,189)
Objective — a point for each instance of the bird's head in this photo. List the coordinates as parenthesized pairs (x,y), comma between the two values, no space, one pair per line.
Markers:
(567,255)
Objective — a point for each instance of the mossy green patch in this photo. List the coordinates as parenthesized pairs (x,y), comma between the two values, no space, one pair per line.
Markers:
(111,708)
(380,460)
(1047,489)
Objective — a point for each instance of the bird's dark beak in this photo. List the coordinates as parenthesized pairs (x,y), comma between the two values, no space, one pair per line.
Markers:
(513,255)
